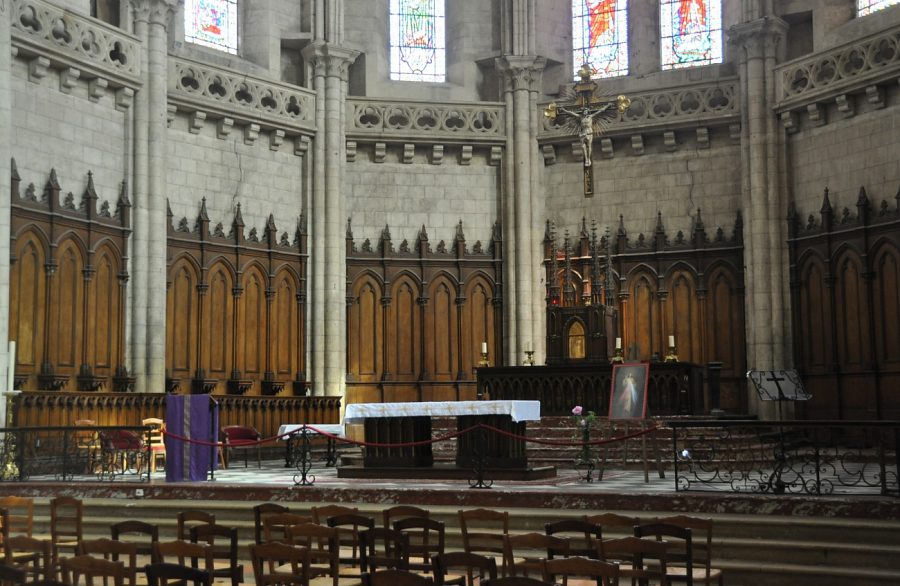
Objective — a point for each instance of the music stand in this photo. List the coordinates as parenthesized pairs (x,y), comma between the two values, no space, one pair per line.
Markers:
(780,386)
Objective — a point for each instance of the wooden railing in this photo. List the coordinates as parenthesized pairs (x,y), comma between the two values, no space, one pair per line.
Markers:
(674,388)
(263,413)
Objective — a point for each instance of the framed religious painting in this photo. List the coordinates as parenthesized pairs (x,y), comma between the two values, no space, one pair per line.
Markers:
(628,396)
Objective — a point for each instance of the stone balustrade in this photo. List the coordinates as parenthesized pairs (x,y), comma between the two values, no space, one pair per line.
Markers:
(246,99)
(859,65)
(707,104)
(71,41)
(473,122)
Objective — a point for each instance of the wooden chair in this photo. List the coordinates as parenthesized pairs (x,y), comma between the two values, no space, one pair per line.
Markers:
(632,555)
(87,444)
(350,526)
(260,512)
(242,437)
(275,526)
(516,581)
(701,543)
(383,548)
(33,555)
(142,534)
(20,515)
(679,548)
(524,553)
(582,536)
(11,576)
(394,514)
(613,525)
(324,551)
(122,449)
(182,551)
(483,531)
(112,550)
(91,568)
(224,543)
(155,440)
(187,520)
(583,570)
(161,573)
(9,557)
(279,564)
(66,514)
(392,577)
(321,514)
(426,540)
(471,564)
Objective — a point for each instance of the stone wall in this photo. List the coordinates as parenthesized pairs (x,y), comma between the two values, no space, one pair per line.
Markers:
(227,171)
(637,187)
(843,156)
(407,196)
(68,132)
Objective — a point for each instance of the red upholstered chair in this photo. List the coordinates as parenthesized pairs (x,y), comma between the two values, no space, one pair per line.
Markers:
(242,437)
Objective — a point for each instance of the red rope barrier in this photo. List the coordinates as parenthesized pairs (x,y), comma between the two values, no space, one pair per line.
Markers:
(443,438)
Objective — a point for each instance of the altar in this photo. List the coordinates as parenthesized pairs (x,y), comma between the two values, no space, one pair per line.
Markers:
(399,437)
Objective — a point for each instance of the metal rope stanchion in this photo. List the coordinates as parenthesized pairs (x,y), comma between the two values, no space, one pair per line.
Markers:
(304,460)
(479,460)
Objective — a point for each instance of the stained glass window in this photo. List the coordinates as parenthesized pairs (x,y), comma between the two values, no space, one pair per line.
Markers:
(600,36)
(865,7)
(417,40)
(212,23)
(691,32)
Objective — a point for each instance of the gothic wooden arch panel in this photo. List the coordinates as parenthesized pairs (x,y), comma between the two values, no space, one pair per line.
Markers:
(252,323)
(441,329)
(287,348)
(182,319)
(366,333)
(403,345)
(852,323)
(28,292)
(218,329)
(683,309)
(106,317)
(814,316)
(478,320)
(640,327)
(886,289)
(67,308)
(575,343)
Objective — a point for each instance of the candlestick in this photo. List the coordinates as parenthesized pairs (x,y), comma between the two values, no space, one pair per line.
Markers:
(671,356)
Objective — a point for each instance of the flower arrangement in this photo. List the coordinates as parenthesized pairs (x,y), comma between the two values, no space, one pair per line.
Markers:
(584,420)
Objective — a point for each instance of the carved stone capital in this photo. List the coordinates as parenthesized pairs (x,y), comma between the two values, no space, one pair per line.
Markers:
(329,60)
(521,72)
(758,34)
(154,11)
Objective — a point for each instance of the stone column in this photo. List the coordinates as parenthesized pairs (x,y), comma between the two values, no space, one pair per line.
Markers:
(5,199)
(149,302)
(756,42)
(522,76)
(331,64)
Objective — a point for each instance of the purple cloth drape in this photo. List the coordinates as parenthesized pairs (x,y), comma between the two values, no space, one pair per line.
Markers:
(195,417)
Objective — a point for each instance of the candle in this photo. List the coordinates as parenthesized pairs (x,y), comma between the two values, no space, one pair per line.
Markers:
(618,343)
(484,347)
(11,371)
(528,346)
(671,341)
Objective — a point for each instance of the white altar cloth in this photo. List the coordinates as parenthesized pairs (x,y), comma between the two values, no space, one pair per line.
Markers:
(517,410)
(330,428)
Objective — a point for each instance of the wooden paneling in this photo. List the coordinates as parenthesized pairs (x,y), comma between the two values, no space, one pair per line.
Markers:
(416,318)
(845,306)
(67,289)
(690,288)
(235,308)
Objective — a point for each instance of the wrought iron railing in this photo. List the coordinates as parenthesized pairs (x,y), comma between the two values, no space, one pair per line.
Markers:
(82,453)
(788,457)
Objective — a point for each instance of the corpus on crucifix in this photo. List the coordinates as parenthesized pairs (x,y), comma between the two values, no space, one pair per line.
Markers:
(587,114)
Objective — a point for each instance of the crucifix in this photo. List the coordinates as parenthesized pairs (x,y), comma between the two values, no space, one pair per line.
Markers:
(587,115)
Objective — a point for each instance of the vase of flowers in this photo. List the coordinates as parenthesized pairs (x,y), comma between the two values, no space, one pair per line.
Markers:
(584,421)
